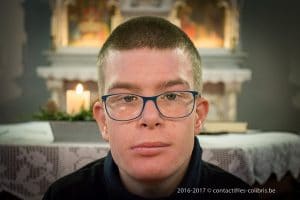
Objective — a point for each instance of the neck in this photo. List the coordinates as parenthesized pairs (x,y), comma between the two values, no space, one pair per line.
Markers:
(154,188)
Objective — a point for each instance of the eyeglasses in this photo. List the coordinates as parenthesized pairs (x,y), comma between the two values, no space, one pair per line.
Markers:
(127,106)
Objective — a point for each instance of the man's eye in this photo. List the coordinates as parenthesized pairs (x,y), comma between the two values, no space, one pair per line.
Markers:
(129,99)
(171,96)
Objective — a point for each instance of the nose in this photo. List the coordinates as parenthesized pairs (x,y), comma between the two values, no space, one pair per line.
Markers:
(150,117)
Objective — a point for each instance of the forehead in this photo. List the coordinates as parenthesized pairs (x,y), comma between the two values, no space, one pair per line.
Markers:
(146,68)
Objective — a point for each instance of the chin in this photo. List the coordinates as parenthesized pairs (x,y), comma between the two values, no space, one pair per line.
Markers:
(152,172)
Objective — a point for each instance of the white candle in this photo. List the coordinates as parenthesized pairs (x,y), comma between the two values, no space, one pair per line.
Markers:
(77,100)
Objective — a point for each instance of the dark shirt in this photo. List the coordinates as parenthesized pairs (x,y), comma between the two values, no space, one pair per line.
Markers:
(100,180)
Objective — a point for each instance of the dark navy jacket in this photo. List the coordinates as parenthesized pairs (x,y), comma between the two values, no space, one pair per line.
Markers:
(100,180)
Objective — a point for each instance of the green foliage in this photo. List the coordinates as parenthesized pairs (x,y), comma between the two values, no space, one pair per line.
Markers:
(84,115)
(51,113)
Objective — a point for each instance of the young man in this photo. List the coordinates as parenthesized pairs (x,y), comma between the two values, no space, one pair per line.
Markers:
(150,111)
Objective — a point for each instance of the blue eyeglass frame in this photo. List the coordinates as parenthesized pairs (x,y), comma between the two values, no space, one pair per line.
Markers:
(151,98)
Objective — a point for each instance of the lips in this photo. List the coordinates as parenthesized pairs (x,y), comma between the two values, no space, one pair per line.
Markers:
(149,148)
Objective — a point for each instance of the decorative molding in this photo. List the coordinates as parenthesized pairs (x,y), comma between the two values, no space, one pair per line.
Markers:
(89,73)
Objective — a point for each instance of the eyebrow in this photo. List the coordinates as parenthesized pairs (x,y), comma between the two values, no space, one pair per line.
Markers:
(161,86)
(123,85)
(175,82)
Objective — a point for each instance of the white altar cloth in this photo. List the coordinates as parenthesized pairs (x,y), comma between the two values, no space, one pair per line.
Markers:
(28,168)
(254,156)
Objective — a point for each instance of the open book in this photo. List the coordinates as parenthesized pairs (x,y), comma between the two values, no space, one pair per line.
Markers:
(227,127)
(27,132)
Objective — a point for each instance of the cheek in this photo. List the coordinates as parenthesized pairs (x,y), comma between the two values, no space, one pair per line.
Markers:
(184,133)
(119,139)
(185,136)
(117,135)
(185,127)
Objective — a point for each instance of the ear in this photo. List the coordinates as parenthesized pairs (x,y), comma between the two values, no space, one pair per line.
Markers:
(202,108)
(100,117)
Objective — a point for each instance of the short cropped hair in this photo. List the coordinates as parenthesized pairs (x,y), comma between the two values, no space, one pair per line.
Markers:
(153,33)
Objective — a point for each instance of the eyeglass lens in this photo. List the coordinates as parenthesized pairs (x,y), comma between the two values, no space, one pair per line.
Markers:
(170,104)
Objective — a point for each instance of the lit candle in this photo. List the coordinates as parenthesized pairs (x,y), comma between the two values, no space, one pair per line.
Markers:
(77,100)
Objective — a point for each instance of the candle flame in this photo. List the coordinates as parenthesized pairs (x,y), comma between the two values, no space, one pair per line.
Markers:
(79,88)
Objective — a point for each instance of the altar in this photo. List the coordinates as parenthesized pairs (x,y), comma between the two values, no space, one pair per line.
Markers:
(29,163)
(78,31)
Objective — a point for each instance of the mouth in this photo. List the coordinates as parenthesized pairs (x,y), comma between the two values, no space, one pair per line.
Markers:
(150,148)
